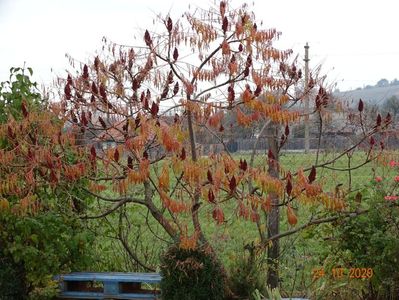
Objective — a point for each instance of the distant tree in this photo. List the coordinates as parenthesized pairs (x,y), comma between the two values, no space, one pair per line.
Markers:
(391,105)
(395,82)
(382,82)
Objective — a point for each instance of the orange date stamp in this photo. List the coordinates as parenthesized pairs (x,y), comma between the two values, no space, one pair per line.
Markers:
(342,273)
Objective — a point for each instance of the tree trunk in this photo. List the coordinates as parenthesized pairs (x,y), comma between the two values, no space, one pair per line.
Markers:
(273,219)
(196,202)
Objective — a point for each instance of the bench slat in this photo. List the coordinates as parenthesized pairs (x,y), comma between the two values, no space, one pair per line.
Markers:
(95,295)
(111,287)
(115,276)
(115,285)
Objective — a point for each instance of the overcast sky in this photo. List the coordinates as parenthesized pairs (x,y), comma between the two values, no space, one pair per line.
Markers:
(356,41)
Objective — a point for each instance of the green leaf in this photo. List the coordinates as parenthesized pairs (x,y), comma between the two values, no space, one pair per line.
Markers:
(19,77)
(34,238)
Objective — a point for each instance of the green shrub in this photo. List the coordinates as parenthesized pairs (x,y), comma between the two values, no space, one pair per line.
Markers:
(191,275)
(35,249)
(370,241)
(246,276)
(41,233)
(11,289)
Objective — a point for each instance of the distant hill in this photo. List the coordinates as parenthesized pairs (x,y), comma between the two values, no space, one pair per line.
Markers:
(371,95)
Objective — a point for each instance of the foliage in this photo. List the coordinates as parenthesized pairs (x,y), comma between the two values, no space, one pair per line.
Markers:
(11,289)
(42,246)
(246,275)
(273,294)
(40,234)
(370,241)
(192,274)
(15,90)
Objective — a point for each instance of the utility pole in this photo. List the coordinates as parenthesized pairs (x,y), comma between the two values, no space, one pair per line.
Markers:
(306,87)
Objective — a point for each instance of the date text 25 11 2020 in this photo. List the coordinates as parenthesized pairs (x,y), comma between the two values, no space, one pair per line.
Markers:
(340,273)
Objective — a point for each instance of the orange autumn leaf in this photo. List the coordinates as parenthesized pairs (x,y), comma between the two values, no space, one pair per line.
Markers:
(144,168)
(29,177)
(239,28)
(122,186)
(230,164)
(189,87)
(243,119)
(254,201)
(267,183)
(174,206)
(243,211)
(312,190)
(214,120)
(332,202)
(165,199)
(136,144)
(178,207)
(4,205)
(225,48)
(254,216)
(135,177)
(96,188)
(247,96)
(301,177)
(267,204)
(292,219)
(164,178)
(192,172)
(188,242)
(217,177)
(168,141)
(233,67)
(27,205)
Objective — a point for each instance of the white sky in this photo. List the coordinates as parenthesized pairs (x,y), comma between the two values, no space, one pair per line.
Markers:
(356,41)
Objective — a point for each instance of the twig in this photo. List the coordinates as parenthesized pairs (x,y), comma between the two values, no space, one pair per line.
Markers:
(311,223)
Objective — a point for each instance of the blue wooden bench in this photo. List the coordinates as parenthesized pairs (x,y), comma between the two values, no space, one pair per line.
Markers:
(89,285)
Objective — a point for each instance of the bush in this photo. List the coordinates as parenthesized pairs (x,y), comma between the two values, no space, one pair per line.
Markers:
(370,241)
(15,288)
(191,275)
(41,233)
(246,276)
(35,249)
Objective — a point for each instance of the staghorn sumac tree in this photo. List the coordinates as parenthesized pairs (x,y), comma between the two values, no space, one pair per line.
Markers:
(140,110)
